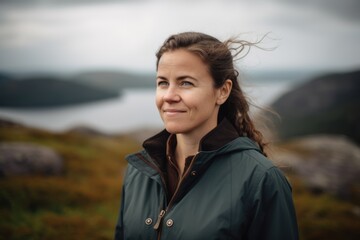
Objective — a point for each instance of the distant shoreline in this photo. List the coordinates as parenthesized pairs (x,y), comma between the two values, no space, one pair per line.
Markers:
(134,109)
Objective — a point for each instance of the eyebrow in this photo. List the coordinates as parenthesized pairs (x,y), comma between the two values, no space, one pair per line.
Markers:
(181,77)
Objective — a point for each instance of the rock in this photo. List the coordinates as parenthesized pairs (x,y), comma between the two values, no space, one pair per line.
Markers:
(28,159)
(325,163)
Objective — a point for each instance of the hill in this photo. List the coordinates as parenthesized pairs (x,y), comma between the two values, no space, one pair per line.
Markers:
(326,104)
(4,77)
(48,91)
(111,80)
(51,90)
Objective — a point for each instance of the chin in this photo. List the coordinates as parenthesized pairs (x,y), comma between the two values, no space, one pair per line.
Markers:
(174,128)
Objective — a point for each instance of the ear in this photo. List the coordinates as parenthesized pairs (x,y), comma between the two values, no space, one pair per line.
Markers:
(224,92)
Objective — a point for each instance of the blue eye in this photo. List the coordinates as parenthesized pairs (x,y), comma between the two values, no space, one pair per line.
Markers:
(162,83)
(186,83)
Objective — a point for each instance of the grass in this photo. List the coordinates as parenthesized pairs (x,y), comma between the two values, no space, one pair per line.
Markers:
(83,202)
(322,216)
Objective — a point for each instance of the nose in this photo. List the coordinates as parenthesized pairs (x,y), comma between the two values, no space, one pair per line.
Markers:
(171,95)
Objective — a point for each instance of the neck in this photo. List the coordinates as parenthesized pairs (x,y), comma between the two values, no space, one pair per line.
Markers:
(186,146)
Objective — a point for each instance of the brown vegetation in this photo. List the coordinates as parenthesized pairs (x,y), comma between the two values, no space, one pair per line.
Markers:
(83,202)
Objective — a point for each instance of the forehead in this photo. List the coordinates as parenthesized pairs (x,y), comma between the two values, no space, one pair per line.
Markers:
(181,59)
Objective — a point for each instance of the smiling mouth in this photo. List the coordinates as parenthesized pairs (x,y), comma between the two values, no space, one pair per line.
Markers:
(173,111)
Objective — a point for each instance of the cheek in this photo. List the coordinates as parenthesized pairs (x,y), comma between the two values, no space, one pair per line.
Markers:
(158,101)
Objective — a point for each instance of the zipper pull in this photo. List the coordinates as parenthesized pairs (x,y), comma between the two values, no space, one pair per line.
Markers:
(158,221)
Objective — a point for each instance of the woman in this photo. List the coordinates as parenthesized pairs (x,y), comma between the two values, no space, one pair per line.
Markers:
(206,175)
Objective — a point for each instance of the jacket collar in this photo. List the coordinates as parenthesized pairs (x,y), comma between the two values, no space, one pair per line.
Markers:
(222,134)
(222,139)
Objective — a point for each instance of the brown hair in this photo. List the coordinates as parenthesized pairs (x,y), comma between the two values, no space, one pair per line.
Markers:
(219,58)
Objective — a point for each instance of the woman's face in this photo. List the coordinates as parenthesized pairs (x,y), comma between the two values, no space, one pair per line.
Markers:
(186,98)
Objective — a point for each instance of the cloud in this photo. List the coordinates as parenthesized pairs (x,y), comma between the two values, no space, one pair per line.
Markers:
(127,34)
(345,9)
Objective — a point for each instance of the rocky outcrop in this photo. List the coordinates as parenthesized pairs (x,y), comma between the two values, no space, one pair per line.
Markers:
(28,159)
(325,163)
(328,104)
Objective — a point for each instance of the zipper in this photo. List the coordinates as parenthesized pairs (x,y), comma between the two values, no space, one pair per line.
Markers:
(162,213)
(180,182)
(159,219)
(158,224)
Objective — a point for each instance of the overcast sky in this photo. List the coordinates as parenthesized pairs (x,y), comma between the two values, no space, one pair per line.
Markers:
(91,35)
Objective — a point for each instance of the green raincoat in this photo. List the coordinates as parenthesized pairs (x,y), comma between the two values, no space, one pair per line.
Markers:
(231,192)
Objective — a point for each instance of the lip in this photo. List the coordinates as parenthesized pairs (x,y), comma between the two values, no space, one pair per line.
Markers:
(173,111)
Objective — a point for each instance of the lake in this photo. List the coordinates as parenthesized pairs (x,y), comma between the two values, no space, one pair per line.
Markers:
(134,109)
